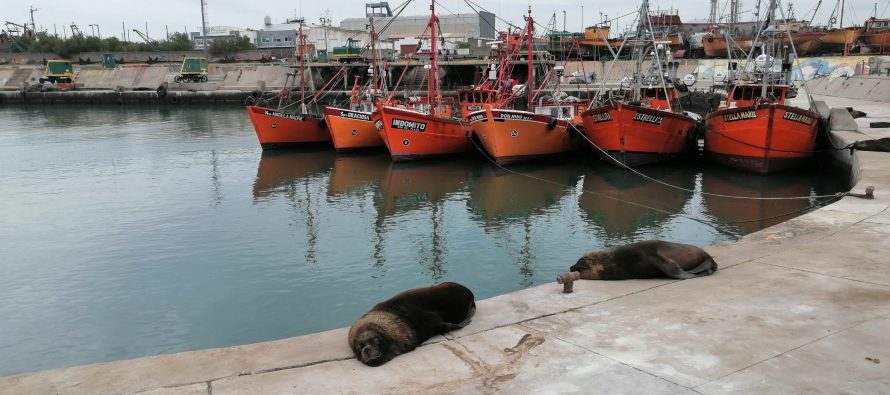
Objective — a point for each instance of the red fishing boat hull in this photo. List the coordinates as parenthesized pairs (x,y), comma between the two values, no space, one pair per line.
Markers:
(762,139)
(351,130)
(410,135)
(511,136)
(636,135)
(275,129)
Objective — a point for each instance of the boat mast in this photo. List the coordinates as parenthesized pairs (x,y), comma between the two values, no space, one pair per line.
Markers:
(767,72)
(433,76)
(302,44)
(529,30)
(640,49)
(374,58)
(841,25)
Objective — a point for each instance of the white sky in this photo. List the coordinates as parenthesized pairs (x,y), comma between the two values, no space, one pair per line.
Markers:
(176,15)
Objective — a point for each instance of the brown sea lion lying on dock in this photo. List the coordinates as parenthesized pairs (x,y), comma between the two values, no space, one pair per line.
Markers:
(645,259)
(403,322)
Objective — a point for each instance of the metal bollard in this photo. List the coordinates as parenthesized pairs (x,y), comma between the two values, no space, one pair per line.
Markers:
(567,280)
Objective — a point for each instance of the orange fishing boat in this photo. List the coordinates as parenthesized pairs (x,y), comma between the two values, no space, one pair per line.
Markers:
(877,35)
(351,129)
(760,135)
(278,129)
(840,40)
(636,135)
(754,129)
(645,124)
(289,123)
(411,135)
(510,135)
(805,42)
(430,129)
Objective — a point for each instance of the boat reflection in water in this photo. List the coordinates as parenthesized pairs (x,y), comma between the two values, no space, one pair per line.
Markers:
(610,194)
(752,215)
(280,170)
(499,196)
(515,209)
(414,185)
(357,173)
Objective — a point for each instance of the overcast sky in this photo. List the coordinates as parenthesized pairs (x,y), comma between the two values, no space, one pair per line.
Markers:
(176,15)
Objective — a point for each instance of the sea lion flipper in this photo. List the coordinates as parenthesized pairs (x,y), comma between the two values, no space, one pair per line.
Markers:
(469,318)
(671,269)
(705,268)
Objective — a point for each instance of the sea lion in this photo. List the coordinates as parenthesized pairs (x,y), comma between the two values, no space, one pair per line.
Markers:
(645,259)
(403,322)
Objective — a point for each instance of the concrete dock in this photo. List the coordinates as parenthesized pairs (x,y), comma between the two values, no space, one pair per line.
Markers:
(800,307)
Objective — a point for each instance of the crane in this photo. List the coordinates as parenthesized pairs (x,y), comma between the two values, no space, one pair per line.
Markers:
(151,43)
(148,40)
(75,31)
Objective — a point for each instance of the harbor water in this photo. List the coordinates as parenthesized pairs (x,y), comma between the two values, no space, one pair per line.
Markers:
(128,231)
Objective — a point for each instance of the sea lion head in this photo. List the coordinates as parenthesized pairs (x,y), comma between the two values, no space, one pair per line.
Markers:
(373,348)
(591,265)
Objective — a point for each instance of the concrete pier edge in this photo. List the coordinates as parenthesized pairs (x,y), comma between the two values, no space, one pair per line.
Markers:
(802,306)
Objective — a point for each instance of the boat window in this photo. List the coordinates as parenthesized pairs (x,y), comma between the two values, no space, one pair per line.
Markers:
(737,93)
(747,94)
(777,93)
(662,95)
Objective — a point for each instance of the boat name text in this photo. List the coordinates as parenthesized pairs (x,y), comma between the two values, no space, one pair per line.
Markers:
(408,125)
(648,118)
(477,117)
(740,116)
(521,117)
(355,115)
(799,118)
(601,117)
(295,117)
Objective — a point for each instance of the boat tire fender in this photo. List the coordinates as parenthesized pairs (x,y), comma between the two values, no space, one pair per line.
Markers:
(552,124)
(174,99)
(322,124)
(162,91)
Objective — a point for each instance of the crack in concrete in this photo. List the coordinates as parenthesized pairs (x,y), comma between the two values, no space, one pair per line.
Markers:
(494,374)
(880,317)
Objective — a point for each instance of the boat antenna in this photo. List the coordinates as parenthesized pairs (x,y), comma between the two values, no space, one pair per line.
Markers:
(797,63)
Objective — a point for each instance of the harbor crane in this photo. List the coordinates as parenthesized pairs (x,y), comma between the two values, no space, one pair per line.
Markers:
(148,40)
(151,43)
(75,31)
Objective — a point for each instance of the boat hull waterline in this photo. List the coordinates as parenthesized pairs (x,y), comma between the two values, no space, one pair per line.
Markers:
(511,136)
(276,129)
(410,135)
(762,139)
(638,136)
(351,130)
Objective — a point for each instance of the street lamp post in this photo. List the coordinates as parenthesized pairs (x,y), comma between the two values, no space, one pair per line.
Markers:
(324,24)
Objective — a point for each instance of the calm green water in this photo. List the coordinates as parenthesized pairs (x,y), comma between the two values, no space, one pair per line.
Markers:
(127,232)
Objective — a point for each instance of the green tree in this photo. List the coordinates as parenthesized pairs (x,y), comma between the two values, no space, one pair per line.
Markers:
(230,45)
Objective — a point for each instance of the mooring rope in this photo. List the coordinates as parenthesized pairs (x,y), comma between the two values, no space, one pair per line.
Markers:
(621,164)
(833,149)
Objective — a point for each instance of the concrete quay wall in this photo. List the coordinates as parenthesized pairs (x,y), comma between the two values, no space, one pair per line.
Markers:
(800,307)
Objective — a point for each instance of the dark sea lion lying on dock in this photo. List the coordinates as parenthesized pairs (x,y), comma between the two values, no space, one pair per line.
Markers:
(403,322)
(645,259)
